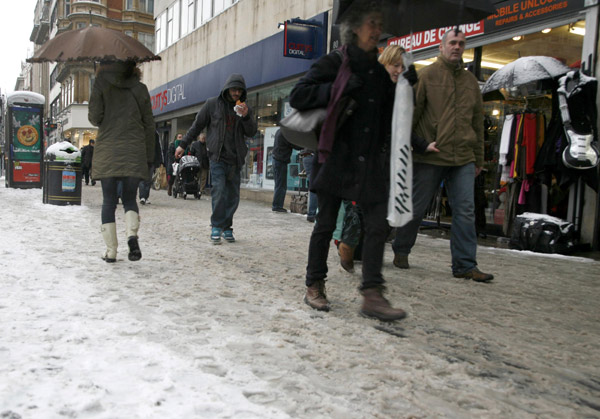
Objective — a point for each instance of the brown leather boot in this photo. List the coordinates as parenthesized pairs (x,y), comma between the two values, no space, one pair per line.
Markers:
(375,305)
(346,257)
(315,296)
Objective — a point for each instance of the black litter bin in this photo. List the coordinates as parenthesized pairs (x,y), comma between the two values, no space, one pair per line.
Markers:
(62,175)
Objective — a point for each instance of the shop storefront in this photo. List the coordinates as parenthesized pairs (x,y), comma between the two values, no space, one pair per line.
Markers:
(565,30)
(270,76)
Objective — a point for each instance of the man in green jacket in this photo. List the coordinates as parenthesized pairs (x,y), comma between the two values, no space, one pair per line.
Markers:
(449,111)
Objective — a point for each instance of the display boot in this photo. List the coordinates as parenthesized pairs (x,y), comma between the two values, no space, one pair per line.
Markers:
(346,257)
(109,234)
(132,223)
(376,305)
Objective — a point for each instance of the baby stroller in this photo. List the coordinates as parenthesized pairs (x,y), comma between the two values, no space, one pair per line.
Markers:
(186,177)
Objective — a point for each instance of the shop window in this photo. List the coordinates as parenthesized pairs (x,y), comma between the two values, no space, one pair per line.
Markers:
(267,106)
(67,8)
(534,100)
(129,5)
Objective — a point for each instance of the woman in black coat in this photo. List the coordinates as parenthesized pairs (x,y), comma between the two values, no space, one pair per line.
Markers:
(352,155)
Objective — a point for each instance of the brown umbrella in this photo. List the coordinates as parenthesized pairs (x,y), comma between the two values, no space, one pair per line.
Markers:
(93,43)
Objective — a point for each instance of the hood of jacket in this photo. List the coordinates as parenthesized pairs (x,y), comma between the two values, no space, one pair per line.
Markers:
(235,80)
(115,75)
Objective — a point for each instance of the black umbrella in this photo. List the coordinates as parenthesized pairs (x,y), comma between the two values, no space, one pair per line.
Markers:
(401,17)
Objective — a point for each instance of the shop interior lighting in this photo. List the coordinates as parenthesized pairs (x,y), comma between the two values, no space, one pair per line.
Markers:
(547,30)
(577,31)
(517,38)
(423,62)
(495,112)
(489,64)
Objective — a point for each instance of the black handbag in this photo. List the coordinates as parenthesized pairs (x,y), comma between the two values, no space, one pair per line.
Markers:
(302,128)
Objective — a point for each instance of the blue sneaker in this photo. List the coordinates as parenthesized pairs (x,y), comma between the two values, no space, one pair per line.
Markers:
(228,235)
(215,235)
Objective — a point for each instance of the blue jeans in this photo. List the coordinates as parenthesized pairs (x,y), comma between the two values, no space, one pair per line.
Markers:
(280,175)
(110,196)
(225,193)
(146,184)
(459,182)
(307,161)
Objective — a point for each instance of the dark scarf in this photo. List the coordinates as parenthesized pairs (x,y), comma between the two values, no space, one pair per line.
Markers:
(327,136)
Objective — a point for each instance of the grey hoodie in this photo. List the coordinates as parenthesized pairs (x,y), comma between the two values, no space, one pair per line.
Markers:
(213,117)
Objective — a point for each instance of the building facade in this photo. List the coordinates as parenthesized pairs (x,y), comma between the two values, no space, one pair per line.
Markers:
(201,42)
(67,86)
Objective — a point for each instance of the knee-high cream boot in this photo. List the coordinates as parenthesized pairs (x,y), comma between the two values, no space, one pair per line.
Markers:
(132,222)
(109,234)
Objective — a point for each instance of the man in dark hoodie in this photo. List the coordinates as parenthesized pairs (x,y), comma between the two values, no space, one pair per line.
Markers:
(228,120)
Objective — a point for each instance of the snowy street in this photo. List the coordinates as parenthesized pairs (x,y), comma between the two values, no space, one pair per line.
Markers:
(195,330)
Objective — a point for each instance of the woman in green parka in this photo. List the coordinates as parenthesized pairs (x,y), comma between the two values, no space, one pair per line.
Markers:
(120,107)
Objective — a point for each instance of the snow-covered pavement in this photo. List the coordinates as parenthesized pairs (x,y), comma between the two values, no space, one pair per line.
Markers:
(195,330)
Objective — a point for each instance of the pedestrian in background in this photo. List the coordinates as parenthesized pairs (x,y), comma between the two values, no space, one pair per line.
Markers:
(228,121)
(198,149)
(172,159)
(449,112)
(87,154)
(308,157)
(146,184)
(120,107)
(351,162)
(282,151)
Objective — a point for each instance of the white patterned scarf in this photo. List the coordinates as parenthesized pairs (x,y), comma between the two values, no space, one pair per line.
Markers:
(401,168)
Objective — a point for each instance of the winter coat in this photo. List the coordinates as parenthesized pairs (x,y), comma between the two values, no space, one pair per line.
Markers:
(121,110)
(213,115)
(282,149)
(171,155)
(198,149)
(158,154)
(356,168)
(449,111)
(87,153)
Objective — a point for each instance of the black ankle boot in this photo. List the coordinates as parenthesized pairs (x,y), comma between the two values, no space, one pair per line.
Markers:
(134,248)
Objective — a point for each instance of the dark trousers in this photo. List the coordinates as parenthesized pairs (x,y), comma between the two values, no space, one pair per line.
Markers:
(146,184)
(85,170)
(280,175)
(375,227)
(110,196)
(225,193)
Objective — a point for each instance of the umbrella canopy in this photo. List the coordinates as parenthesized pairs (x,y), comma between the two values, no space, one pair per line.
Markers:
(401,17)
(525,70)
(93,43)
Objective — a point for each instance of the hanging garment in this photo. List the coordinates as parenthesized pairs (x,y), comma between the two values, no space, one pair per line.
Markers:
(515,147)
(401,170)
(504,147)
(529,142)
